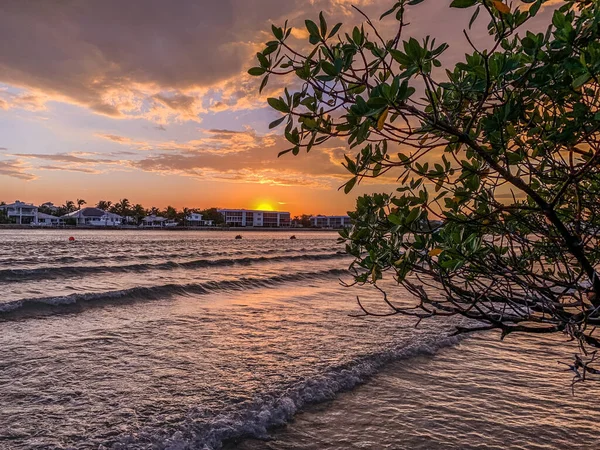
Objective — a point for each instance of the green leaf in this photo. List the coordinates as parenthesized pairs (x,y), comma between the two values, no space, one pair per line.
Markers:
(277,32)
(264,62)
(581,80)
(278,104)
(334,30)
(395,219)
(413,215)
(323,24)
(474,17)
(276,123)
(312,28)
(349,185)
(263,84)
(256,71)
(462,3)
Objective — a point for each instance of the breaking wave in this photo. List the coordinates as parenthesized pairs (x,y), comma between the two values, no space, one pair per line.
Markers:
(148,254)
(160,291)
(17,275)
(254,419)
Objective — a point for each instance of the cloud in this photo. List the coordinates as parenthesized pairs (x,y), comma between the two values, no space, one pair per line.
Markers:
(15,169)
(115,138)
(64,157)
(163,61)
(27,101)
(148,58)
(209,141)
(72,162)
(69,169)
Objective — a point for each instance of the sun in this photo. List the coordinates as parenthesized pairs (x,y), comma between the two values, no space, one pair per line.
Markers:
(264,206)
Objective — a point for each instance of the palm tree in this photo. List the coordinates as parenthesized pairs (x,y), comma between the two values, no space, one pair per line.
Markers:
(104,205)
(69,206)
(185,213)
(154,211)
(138,212)
(170,212)
(123,207)
(80,203)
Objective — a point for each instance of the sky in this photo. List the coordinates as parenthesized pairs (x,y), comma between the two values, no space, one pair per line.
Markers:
(150,100)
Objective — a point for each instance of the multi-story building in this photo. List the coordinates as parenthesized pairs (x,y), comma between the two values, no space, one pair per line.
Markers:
(255,218)
(20,213)
(330,221)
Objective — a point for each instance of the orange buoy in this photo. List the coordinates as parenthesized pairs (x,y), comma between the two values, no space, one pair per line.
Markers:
(71,238)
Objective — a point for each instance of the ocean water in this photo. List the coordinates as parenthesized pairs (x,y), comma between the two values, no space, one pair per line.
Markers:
(195,340)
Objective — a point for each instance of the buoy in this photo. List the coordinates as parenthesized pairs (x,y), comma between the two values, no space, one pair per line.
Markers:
(71,238)
(292,237)
(239,236)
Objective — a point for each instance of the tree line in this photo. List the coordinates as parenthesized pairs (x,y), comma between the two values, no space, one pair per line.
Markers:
(135,211)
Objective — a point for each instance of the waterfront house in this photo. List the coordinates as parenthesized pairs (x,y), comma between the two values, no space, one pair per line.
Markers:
(47,220)
(153,221)
(195,220)
(20,213)
(255,218)
(93,217)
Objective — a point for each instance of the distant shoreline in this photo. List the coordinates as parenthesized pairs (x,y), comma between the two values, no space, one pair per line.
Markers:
(175,229)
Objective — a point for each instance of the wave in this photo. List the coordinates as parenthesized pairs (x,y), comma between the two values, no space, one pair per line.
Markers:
(17,275)
(161,291)
(128,255)
(256,418)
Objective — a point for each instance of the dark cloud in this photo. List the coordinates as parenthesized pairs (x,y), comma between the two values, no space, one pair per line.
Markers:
(150,57)
(92,51)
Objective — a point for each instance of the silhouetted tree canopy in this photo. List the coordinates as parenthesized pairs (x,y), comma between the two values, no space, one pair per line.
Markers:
(502,147)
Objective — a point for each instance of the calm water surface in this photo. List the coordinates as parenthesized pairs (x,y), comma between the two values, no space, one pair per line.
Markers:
(194,340)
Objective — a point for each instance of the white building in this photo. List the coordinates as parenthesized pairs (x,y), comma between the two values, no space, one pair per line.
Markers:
(20,213)
(46,220)
(157,222)
(93,217)
(330,221)
(195,220)
(255,218)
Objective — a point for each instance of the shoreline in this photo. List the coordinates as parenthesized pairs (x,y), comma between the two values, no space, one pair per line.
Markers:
(175,229)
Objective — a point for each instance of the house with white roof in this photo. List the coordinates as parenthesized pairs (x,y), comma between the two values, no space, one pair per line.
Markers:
(20,213)
(153,221)
(94,217)
(47,220)
(195,220)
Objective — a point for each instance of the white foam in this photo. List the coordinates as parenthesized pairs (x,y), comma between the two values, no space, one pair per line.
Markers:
(256,419)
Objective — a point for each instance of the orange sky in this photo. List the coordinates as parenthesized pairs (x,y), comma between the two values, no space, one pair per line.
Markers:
(150,100)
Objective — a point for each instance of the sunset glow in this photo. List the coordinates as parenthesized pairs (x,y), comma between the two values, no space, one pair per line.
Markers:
(163,112)
(263,206)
